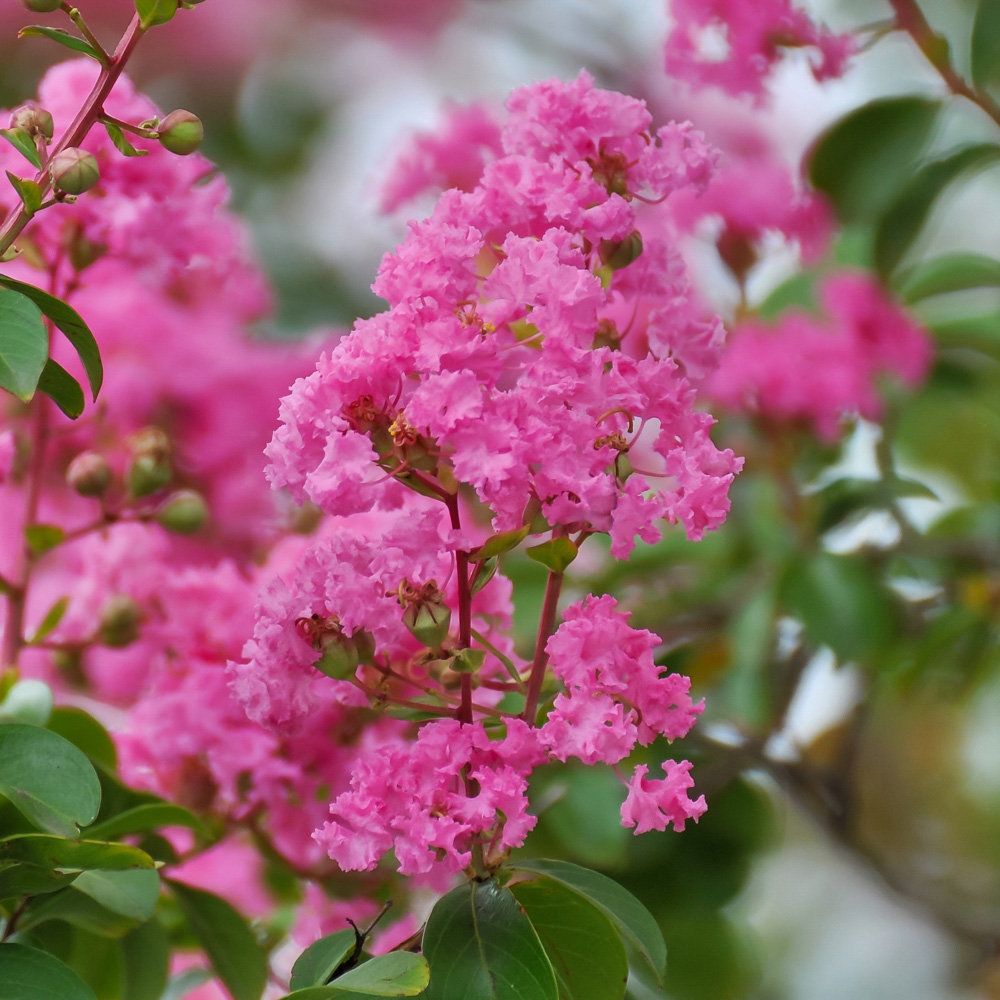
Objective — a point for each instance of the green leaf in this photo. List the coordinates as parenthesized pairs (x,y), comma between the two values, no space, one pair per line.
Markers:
(145,962)
(62,37)
(48,779)
(555,554)
(508,663)
(497,544)
(24,345)
(153,12)
(986,44)
(71,323)
(121,142)
(899,226)
(31,880)
(861,159)
(150,816)
(52,618)
(396,974)
(86,733)
(320,960)
(28,191)
(78,909)
(57,852)
(25,145)
(131,893)
(951,272)
(227,940)
(29,974)
(62,389)
(635,923)
(42,538)
(583,945)
(481,946)
(840,602)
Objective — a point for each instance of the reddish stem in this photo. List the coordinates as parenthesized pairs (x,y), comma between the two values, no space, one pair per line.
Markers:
(545,625)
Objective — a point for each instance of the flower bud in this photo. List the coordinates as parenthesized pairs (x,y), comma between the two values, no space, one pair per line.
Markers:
(343,654)
(89,474)
(617,254)
(146,474)
(28,702)
(181,132)
(428,622)
(41,6)
(74,171)
(183,512)
(32,119)
(120,620)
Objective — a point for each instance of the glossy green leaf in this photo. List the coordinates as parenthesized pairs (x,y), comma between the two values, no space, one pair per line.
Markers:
(555,554)
(62,37)
(153,12)
(28,191)
(62,389)
(145,962)
(986,44)
(58,852)
(131,893)
(951,272)
(481,946)
(497,544)
(150,816)
(227,940)
(85,733)
(48,779)
(24,344)
(24,144)
(396,974)
(635,923)
(48,624)
(29,974)
(840,602)
(905,217)
(583,945)
(71,323)
(861,159)
(42,538)
(320,960)
(122,144)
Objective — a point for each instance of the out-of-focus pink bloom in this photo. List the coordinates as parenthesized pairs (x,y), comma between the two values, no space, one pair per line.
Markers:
(751,198)
(8,450)
(734,44)
(653,803)
(451,156)
(818,371)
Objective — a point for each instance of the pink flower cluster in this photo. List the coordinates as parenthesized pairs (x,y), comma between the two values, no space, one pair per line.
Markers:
(495,364)
(734,44)
(813,371)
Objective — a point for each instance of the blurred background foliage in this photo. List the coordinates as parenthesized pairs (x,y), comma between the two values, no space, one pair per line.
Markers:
(843,625)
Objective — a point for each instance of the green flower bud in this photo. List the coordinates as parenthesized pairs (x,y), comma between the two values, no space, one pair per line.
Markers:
(120,620)
(428,622)
(146,474)
(89,474)
(183,512)
(41,6)
(28,702)
(343,654)
(74,171)
(617,254)
(32,119)
(181,132)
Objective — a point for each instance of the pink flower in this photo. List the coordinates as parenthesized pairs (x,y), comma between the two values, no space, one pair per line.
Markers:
(652,804)
(734,45)
(7,453)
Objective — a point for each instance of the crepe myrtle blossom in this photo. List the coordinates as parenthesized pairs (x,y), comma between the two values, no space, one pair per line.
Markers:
(818,371)
(735,45)
(508,381)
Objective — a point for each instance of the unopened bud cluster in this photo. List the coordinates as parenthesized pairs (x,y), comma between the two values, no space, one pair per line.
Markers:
(74,171)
